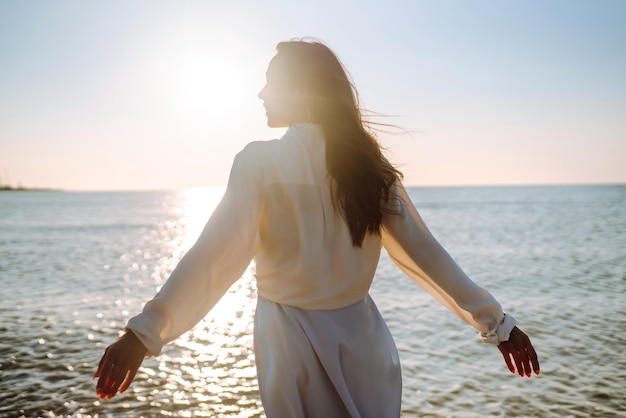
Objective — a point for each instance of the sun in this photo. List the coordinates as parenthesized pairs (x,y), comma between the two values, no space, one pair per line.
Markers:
(211,82)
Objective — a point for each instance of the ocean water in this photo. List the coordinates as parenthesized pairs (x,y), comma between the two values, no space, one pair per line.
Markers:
(75,266)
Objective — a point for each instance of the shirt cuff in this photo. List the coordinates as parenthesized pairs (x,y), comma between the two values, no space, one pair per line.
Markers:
(147,333)
(500,333)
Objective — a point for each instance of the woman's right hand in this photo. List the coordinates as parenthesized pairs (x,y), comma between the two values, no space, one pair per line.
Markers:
(118,365)
(518,352)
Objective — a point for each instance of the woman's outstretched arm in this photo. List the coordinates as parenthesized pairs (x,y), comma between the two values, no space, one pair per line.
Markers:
(415,250)
(218,258)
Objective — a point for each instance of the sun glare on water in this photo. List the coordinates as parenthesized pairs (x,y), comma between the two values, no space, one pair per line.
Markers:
(196,206)
(213,364)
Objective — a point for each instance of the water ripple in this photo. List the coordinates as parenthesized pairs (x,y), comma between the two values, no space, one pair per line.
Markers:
(75,266)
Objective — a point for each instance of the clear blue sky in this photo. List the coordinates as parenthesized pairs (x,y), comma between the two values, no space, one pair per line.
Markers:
(116,95)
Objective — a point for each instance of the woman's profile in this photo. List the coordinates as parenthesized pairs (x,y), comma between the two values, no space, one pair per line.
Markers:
(313,209)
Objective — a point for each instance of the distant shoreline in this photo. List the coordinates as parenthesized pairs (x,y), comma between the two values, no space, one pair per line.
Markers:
(27,189)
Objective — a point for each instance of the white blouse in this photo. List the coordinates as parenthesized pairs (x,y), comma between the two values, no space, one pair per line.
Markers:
(277,209)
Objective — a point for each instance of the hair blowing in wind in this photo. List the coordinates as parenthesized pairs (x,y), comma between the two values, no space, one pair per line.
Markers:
(361,176)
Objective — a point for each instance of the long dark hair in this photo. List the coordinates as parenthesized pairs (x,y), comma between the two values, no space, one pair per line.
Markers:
(361,177)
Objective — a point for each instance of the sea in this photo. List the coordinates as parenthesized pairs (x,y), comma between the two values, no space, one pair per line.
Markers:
(75,266)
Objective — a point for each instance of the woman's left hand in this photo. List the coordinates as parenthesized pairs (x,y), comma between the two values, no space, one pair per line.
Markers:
(118,365)
(518,352)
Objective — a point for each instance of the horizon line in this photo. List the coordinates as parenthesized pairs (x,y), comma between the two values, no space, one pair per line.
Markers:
(425,186)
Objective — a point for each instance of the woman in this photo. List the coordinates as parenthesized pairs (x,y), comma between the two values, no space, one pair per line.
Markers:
(313,209)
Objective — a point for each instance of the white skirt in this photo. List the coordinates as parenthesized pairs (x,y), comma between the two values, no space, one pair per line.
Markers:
(335,363)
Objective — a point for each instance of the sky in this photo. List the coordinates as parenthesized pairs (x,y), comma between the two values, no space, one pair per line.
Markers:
(134,95)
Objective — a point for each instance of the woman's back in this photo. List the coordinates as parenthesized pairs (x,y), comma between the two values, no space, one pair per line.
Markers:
(305,257)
